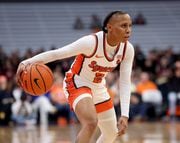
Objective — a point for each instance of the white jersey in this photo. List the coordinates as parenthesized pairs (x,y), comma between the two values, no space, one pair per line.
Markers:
(95,67)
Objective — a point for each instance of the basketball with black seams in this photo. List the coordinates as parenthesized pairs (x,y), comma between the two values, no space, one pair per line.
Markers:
(36,79)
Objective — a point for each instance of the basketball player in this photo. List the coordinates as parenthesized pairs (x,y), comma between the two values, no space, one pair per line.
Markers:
(84,84)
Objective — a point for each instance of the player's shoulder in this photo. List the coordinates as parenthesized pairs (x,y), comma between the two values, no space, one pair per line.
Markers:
(87,38)
(99,33)
(93,34)
(91,37)
(130,45)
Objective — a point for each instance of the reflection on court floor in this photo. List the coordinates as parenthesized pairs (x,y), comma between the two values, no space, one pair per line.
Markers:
(154,132)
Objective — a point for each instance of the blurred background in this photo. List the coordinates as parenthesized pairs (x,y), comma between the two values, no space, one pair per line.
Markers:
(28,27)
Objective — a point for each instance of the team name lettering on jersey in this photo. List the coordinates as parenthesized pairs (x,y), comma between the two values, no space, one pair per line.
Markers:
(95,67)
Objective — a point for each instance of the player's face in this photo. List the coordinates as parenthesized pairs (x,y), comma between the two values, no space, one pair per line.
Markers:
(120,27)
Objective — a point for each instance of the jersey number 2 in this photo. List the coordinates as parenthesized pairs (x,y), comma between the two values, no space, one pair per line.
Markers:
(98,77)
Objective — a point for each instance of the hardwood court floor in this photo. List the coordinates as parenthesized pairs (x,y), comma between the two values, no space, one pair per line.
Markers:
(154,132)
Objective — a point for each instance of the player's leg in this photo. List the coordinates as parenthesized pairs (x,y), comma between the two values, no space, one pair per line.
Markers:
(86,113)
(80,99)
(107,121)
(108,125)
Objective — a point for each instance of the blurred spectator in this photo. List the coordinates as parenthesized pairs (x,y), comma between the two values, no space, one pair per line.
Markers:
(145,83)
(170,55)
(6,100)
(150,94)
(164,76)
(29,53)
(43,107)
(78,24)
(150,63)
(22,111)
(3,57)
(173,86)
(138,109)
(140,19)
(95,24)
(163,70)
(9,69)
(139,58)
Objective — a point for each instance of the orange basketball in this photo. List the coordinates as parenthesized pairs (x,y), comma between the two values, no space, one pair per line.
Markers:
(36,79)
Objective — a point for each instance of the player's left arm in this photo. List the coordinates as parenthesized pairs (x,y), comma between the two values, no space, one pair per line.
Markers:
(125,88)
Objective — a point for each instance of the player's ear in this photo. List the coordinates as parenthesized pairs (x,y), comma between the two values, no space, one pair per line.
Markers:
(109,27)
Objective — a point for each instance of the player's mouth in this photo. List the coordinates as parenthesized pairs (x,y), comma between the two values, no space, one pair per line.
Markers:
(126,37)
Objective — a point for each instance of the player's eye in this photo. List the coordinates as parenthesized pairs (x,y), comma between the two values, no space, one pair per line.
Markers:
(124,25)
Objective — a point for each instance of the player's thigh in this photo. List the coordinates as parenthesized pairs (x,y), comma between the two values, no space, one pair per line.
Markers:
(85,111)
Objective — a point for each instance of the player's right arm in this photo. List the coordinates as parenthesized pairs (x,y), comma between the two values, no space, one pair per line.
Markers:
(84,45)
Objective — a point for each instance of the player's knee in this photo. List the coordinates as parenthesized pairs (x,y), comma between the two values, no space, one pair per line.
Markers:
(91,124)
(112,134)
(108,135)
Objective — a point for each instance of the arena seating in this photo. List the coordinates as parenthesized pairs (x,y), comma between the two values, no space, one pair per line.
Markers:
(36,25)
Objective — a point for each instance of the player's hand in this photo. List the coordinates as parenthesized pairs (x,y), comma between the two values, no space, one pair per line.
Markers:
(20,69)
(122,125)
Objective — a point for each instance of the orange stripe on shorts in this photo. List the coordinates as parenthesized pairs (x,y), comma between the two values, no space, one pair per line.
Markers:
(77,92)
(72,90)
(104,106)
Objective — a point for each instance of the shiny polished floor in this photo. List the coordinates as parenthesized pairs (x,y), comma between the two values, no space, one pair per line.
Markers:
(154,132)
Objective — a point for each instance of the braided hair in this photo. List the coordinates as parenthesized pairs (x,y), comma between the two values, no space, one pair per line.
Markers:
(108,17)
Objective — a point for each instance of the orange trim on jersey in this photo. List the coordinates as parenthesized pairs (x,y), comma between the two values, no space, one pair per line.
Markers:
(104,48)
(95,49)
(72,90)
(104,106)
(77,65)
(124,50)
